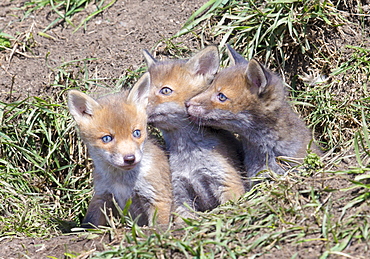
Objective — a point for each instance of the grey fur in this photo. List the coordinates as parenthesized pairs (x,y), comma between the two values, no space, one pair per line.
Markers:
(198,174)
(268,127)
(201,174)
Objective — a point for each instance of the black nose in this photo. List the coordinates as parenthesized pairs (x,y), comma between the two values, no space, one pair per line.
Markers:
(129,159)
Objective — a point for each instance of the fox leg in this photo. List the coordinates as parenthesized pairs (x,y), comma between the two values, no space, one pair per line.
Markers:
(94,215)
(233,187)
(161,210)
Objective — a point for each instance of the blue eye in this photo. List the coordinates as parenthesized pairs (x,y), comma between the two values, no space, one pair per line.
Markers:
(136,133)
(166,91)
(221,97)
(107,138)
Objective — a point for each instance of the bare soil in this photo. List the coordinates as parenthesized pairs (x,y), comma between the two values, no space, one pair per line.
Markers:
(113,40)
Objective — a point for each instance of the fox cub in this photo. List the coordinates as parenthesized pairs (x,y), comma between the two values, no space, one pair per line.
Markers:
(203,161)
(250,100)
(127,164)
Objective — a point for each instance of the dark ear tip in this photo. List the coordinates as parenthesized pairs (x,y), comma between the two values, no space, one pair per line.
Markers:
(231,50)
(150,60)
(235,57)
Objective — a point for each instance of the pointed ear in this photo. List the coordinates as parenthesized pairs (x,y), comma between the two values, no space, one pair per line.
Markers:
(81,105)
(235,57)
(257,76)
(205,62)
(150,60)
(139,93)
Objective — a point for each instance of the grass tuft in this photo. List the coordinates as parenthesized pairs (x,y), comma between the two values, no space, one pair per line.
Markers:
(65,10)
(43,166)
(5,40)
(272,30)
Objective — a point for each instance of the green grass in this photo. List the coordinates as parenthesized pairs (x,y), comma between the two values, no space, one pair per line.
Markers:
(4,40)
(271,30)
(285,211)
(43,164)
(337,107)
(45,181)
(65,9)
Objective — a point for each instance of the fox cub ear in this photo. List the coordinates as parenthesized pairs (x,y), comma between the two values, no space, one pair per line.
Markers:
(206,62)
(235,57)
(81,105)
(149,59)
(139,93)
(257,76)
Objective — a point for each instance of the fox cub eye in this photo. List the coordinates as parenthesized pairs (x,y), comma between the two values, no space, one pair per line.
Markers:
(136,133)
(107,138)
(166,91)
(221,97)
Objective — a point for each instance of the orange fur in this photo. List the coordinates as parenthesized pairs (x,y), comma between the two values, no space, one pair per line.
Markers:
(127,164)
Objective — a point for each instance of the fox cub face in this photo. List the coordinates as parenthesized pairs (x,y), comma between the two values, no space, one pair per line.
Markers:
(245,87)
(173,82)
(115,138)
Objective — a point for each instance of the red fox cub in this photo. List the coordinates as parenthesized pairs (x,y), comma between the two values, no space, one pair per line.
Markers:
(203,161)
(250,100)
(127,164)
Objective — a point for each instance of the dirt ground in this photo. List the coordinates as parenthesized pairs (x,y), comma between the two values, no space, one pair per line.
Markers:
(114,39)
